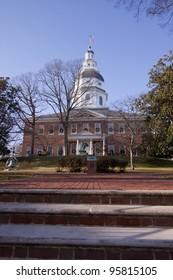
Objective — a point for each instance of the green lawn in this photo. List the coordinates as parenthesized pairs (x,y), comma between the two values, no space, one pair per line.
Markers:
(12,176)
(49,165)
(151,164)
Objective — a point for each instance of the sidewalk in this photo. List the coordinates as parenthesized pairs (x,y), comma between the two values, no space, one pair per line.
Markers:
(117,181)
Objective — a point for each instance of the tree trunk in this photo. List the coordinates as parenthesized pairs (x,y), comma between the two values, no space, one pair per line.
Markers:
(131,159)
(32,140)
(66,152)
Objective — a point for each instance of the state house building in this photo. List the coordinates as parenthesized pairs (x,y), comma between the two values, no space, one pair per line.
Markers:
(93,126)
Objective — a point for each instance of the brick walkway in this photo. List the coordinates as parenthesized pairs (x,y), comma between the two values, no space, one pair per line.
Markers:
(119,181)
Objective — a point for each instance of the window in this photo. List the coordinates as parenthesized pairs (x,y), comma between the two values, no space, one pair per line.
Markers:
(39,150)
(122,150)
(61,129)
(50,130)
(60,151)
(97,149)
(97,128)
(86,126)
(101,100)
(122,128)
(110,128)
(87,96)
(41,129)
(28,150)
(74,128)
(73,148)
(50,150)
(111,149)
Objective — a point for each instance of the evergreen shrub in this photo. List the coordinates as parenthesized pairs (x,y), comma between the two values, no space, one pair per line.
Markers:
(107,164)
(72,163)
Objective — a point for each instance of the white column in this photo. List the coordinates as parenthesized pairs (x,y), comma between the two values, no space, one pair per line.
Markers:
(91,147)
(77,147)
(63,150)
(103,145)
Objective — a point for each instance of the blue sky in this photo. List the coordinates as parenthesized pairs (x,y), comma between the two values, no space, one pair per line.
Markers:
(34,32)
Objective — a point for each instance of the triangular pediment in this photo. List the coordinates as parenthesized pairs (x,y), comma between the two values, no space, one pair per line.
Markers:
(86,113)
(85,132)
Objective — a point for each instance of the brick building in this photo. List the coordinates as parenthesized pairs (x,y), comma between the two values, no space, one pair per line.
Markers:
(93,129)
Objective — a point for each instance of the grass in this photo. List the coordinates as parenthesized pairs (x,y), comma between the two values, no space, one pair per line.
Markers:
(27,167)
(152,165)
(12,176)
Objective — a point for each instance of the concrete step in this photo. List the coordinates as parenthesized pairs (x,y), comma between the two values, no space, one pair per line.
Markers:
(87,196)
(86,214)
(71,242)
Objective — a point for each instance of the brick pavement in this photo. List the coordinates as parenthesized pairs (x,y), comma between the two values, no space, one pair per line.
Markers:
(118,181)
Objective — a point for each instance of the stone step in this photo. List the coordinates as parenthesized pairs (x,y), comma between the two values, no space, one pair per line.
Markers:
(86,214)
(87,196)
(71,242)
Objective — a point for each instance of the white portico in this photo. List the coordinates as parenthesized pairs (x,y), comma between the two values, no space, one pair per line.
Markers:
(87,143)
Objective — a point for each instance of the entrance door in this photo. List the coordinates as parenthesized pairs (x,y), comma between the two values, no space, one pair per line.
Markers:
(97,149)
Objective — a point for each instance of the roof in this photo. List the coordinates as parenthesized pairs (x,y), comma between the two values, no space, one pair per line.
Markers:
(91,114)
(92,73)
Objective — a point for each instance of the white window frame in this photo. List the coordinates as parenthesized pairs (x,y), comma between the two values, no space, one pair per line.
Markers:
(73,148)
(97,128)
(61,129)
(121,127)
(110,128)
(50,128)
(74,128)
(28,150)
(58,150)
(39,149)
(51,148)
(87,97)
(41,129)
(101,100)
(111,149)
(122,148)
(85,126)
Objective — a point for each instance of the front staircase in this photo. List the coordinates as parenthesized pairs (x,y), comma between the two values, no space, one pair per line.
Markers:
(86,224)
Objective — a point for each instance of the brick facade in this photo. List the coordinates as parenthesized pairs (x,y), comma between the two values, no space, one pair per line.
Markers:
(98,129)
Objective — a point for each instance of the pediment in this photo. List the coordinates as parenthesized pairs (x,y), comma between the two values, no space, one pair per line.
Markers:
(85,133)
(86,113)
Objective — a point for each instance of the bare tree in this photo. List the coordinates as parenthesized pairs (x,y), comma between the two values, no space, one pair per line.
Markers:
(62,90)
(29,102)
(134,123)
(162,8)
